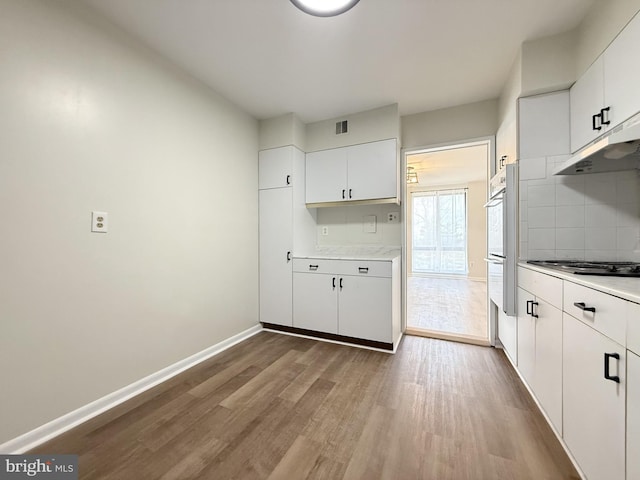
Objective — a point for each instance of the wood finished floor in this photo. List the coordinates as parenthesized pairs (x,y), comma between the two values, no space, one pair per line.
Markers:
(282,407)
(451,305)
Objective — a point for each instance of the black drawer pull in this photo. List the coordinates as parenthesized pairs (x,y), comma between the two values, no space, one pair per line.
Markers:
(529,307)
(334,283)
(341,284)
(343,192)
(288,256)
(313,268)
(607,356)
(288,179)
(350,192)
(583,307)
(363,269)
(604,116)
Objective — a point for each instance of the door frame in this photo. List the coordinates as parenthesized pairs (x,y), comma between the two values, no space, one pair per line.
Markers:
(489,140)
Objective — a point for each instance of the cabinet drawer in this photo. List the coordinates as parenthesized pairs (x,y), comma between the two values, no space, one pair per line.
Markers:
(633,327)
(542,286)
(366,268)
(610,316)
(315,265)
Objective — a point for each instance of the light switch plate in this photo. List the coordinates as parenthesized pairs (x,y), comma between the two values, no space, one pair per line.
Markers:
(99,222)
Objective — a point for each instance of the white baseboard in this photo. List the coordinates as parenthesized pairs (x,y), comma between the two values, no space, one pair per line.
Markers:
(39,435)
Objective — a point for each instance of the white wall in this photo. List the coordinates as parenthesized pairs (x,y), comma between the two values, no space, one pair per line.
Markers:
(370,126)
(93,121)
(464,122)
(548,64)
(280,131)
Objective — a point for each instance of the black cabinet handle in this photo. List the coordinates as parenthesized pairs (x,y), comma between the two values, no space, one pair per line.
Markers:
(341,284)
(350,193)
(607,356)
(533,312)
(288,256)
(343,192)
(593,121)
(503,160)
(334,283)
(529,307)
(604,116)
(363,269)
(313,267)
(583,307)
(288,179)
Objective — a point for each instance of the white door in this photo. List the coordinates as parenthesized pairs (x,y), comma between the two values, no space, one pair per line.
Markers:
(372,170)
(633,415)
(547,382)
(593,407)
(326,176)
(275,167)
(364,306)
(526,336)
(276,233)
(622,74)
(315,302)
(586,99)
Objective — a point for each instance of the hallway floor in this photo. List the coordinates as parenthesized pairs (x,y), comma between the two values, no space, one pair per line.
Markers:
(450,305)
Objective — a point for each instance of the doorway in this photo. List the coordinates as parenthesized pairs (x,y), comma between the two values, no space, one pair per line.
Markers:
(446,242)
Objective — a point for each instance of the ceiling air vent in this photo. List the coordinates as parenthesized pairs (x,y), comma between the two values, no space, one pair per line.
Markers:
(342,127)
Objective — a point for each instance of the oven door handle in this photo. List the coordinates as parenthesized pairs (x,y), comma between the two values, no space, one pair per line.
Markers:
(495,261)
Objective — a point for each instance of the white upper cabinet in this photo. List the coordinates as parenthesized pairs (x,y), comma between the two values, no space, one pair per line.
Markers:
(587,100)
(622,74)
(607,94)
(275,167)
(357,173)
(372,170)
(326,176)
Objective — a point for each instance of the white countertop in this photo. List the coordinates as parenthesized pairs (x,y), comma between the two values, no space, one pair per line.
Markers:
(623,287)
(356,252)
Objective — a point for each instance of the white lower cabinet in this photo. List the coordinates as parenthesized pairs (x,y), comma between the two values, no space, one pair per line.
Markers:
(593,405)
(315,302)
(540,352)
(364,308)
(348,298)
(633,414)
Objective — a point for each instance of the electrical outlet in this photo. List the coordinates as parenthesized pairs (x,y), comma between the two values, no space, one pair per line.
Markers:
(393,217)
(325,230)
(99,222)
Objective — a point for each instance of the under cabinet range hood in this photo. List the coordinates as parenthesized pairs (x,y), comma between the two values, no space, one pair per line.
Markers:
(618,150)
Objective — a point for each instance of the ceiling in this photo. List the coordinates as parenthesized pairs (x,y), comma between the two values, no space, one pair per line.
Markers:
(270,58)
(451,166)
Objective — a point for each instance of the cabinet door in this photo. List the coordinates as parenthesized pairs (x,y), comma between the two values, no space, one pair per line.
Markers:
(372,170)
(508,334)
(622,74)
(326,176)
(526,336)
(276,233)
(315,302)
(364,308)
(633,416)
(275,167)
(593,407)
(586,99)
(547,380)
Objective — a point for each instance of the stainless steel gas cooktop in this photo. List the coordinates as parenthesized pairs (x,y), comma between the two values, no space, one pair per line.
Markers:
(609,269)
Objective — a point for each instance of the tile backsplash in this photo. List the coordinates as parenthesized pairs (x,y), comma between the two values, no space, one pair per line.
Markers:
(578,217)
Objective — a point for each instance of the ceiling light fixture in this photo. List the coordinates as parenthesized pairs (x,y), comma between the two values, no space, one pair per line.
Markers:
(324,8)
(412,177)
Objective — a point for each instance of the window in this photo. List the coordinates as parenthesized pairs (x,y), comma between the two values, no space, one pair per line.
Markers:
(439,232)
